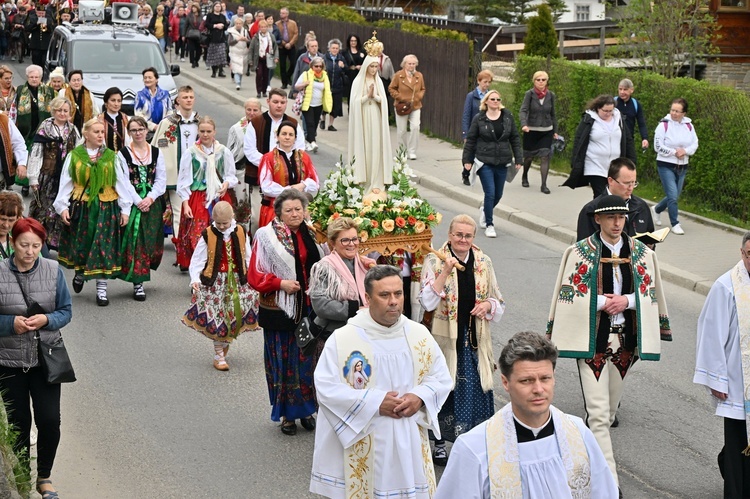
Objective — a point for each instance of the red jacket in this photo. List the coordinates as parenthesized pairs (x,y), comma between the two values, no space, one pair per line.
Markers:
(174,27)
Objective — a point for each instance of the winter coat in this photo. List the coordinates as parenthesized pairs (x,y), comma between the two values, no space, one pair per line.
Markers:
(672,134)
(482,144)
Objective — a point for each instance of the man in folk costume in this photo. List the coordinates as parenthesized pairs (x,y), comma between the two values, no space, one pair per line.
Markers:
(529,449)
(236,144)
(173,136)
(260,138)
(722,365)
(373,441)
(12,146)
(612,283)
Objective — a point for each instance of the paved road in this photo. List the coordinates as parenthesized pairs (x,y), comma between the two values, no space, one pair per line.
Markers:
(151,418)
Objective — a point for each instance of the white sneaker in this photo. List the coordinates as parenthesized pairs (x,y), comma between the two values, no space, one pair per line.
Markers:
(308,146)
(677,229)
(182,59)
(490,231)
(656,216)
(482,221)
(238,87)
(314,146)
(412,156)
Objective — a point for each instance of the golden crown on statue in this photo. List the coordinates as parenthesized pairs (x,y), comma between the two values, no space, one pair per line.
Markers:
(373,46)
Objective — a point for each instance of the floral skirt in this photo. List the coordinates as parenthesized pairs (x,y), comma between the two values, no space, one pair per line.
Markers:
(467,405)
(42,210)
(91,244)
(143,244)
(216,54)
(191,228)
(220,314)
(289,375)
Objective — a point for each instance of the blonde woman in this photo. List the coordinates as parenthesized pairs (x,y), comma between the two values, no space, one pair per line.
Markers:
(539,126)
(239,40)
(494,143)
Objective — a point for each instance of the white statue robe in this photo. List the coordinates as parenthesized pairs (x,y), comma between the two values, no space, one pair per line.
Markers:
(718,361)
(347,415)
(543,473)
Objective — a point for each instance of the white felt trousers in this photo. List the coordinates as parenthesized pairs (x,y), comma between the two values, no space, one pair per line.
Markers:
(601,398)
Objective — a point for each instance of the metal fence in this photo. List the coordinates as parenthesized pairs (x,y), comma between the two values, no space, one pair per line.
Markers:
(445,65)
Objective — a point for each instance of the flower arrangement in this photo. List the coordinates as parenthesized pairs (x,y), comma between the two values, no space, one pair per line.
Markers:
(397,211)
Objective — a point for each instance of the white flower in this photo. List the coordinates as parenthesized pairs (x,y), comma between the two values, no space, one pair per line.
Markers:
(334,196)
(394,188)
(358,221)
(353,193)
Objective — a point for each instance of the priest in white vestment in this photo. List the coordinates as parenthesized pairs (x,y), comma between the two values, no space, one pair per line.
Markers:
(372,430)
(722,365)
(529,448)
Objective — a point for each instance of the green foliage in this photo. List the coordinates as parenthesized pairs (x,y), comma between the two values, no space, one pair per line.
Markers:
(541,38)
(422,29)
(721,116)
(558,8)
(516,10)
(664,34)
(484,9)
(17,466)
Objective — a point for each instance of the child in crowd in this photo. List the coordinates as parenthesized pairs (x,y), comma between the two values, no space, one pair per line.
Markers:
(223,305)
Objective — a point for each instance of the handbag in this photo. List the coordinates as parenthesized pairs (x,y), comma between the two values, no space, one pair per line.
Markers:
(304,337)
(193,34)
(270,63)
(297,106)
(403,107)
(76,205)
(53,356)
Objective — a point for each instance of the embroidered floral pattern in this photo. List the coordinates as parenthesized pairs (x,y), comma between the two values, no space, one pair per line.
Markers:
(171,133)
(580,283)
(643,280)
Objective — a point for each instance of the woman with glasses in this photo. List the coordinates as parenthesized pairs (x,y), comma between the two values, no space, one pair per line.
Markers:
(600,138)
(494,145)
(337,282)
(318,98)
(464,303)
(54,139)
(142,238)
(539,127)
(283,168)
(675,141)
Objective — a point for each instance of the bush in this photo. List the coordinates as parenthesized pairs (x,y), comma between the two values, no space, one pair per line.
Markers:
(717,180)
(541,39)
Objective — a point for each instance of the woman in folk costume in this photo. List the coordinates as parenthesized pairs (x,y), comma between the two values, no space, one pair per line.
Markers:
(223,305)
(152,102)
(7,90)
(115,121)
(143,238)
(93,203)
(80,97)
(369,135)
(337,282)
(54,139)
(206,173)
(282,168)
(29,109)
(284,253)
(464,302)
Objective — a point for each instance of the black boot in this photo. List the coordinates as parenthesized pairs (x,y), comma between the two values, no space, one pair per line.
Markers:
(213,71)
(526,168)
(221,72)
(545,172)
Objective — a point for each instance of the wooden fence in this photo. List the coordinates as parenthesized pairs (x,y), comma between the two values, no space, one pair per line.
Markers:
(445,65)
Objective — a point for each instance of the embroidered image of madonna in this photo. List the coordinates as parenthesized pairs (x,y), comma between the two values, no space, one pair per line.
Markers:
(357,370)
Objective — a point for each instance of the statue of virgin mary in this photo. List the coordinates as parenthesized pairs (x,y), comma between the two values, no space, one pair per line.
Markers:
(369,135)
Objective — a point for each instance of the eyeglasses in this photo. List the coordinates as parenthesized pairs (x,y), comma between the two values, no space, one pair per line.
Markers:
(460,236)
(632,185)
(498,99)
(317,66)
(349,240)
(676,111)
(137,130)
(540,79)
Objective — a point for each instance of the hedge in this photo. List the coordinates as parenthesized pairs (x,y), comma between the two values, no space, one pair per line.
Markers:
(718,177)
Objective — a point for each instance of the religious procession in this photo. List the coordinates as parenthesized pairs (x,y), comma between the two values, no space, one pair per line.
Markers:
(377,338)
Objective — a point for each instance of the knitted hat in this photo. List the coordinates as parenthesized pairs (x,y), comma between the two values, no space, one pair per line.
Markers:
(57,73)
(611,204)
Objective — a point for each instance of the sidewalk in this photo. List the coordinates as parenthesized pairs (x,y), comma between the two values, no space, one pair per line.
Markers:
(693,261)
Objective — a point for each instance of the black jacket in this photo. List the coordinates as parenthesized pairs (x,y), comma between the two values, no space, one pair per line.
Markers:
(639,218)
(581,145)
(482,144)
(164,23)
(216,35)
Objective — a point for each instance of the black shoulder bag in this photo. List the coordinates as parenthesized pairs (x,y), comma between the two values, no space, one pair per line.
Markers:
(53,356)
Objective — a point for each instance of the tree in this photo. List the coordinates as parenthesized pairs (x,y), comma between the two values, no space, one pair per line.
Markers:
(665,34)
(483,10)
(558,8)
(516,10)
(541,38)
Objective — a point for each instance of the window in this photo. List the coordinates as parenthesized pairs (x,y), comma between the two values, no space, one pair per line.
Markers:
(583,13)
(733,5)
(113,56)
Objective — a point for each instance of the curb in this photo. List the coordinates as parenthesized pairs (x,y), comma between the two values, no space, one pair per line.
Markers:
(532,222)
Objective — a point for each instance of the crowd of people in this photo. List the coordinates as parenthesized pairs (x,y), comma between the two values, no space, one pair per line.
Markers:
(109,188)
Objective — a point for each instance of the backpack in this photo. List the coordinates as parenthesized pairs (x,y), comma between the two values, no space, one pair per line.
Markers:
(666,126)
(635,103)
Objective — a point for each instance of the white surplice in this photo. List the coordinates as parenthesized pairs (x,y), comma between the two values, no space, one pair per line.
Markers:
(718,361)
(543,473)
(399,460)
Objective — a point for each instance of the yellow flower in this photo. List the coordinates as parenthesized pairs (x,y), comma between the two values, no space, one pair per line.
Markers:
(419,227)
(362,236)
(388,225)
(367,201)
(438,217)
(358,221)
(349,211)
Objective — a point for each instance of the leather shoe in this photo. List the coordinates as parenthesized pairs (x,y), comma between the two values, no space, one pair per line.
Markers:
(221,366)
(545,189)
(615,423)
(466,180)
(525,182)
(102,302)
(308,423)
(77,284)
(288,427)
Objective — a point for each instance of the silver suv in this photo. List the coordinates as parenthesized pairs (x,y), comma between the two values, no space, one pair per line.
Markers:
(110,56)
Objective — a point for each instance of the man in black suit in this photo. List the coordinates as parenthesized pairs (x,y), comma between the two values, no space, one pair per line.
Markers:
(621,181)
